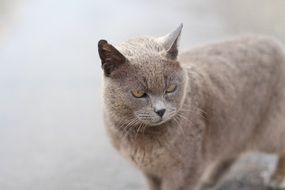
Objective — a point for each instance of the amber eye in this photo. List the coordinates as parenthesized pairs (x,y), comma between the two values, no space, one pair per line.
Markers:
(138,93)
(171,88)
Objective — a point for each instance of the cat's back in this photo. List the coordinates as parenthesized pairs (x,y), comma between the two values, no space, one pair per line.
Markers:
(242,62)
(248,50)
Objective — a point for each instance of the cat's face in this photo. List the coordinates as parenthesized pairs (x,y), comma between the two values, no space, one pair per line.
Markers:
(151,93)
(143,80)
(158,97)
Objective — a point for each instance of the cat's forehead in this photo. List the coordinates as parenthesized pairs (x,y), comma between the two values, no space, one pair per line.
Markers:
(147,66)
(153,76)
(151,82)
(140,46)
(144,52)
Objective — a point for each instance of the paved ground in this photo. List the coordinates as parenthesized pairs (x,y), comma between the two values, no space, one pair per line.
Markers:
(251,172)
(51,130)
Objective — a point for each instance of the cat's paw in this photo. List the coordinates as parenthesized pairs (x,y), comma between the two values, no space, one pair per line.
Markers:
(277,183)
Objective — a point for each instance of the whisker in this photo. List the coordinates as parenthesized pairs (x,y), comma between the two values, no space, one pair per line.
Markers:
(138,130)
(129,126)
(179,126)
(198,112)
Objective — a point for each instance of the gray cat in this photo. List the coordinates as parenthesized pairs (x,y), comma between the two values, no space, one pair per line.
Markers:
(184,119)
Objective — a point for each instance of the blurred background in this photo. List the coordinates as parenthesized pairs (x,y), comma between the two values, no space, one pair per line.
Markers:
(52,135)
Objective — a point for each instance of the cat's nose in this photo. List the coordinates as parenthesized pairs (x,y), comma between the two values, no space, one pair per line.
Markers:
(160,112)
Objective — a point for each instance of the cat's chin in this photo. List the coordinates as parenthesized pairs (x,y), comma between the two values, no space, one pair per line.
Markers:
(156,124)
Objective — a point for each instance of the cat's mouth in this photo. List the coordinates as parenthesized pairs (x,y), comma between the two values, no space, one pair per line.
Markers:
(156,123)
(154,119)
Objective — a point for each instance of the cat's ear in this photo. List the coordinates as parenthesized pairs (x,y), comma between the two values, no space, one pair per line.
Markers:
(170,42)
(110,57)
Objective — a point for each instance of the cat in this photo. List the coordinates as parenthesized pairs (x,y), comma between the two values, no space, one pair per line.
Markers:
(184,118)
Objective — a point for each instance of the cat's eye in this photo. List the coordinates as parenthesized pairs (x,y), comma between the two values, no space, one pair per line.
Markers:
(138,93)
(171,88)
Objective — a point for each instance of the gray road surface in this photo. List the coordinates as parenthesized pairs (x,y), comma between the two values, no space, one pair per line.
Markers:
(51,130)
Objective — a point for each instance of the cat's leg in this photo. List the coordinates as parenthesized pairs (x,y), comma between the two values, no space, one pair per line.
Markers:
(278,178)
(214,173)
(153,181)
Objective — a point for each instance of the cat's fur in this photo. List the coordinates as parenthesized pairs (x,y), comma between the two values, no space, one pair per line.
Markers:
(230,98)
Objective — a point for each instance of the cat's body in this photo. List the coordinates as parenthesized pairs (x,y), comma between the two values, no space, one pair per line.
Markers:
(231,100)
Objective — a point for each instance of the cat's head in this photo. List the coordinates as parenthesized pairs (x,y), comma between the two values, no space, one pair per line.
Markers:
(144,82)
